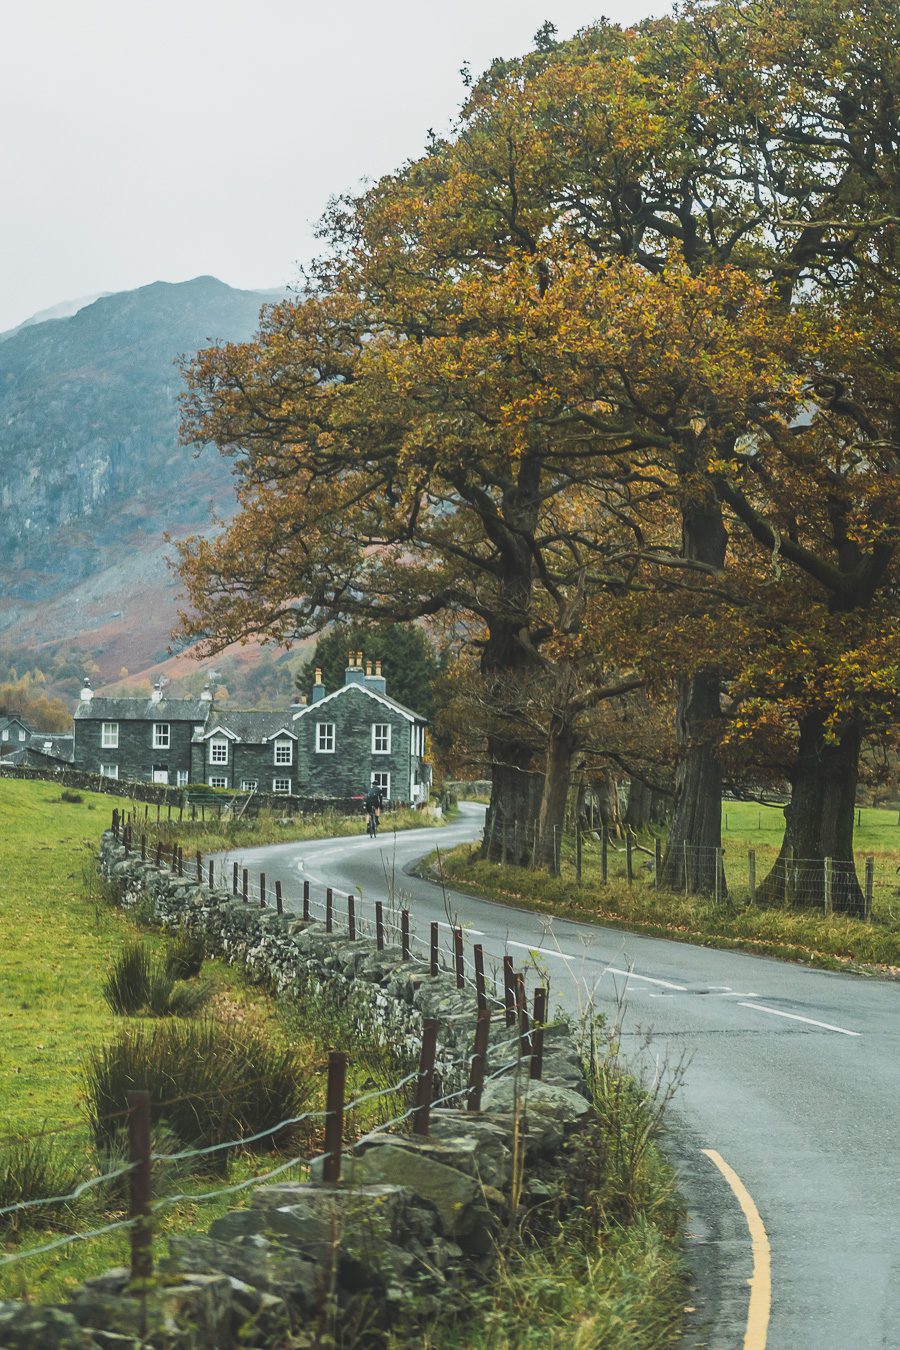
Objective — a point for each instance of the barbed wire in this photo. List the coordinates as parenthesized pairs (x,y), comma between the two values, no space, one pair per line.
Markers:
(72,1195)
(8,1259)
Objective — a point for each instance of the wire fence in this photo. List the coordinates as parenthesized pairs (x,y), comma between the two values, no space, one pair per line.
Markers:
(507,1037)
(865,887)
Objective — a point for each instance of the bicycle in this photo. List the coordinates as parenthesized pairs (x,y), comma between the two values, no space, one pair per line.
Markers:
(372,823)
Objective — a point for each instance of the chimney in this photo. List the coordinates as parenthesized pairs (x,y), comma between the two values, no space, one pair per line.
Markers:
(376,682)
(157,692)
(206,696)
(87,692)
(318,689)
(354,672)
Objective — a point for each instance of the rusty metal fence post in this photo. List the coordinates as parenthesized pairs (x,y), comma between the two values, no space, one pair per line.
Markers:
(334,1115)
(433,961)
(139,1184)
(425,1083)
(379,925)
(458,958)
(478,1067)
(537,1035)
(404,934)
(478,955)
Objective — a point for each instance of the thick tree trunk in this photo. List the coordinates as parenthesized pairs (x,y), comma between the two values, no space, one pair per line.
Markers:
(606,791)
(562,744)
(511,819)
(695,833)
(819,823)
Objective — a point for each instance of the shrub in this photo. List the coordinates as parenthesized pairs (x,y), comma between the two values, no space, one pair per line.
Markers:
(207,1081)
(68,796)
(33,1169)
(185,956)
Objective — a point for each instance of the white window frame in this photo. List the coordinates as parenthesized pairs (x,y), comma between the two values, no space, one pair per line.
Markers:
(160,776)
(217,780)
(109,735)
(22,735)
(162,735)
(279,788)
(325,731)
(249,784)
(382,779)
(381,727)
(216,744)
(109,770)
(182,778)
(282,745)
(4,735)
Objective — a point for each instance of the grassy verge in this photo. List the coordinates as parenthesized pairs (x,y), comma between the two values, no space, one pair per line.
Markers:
(220,836)
(59,935)
(835,943)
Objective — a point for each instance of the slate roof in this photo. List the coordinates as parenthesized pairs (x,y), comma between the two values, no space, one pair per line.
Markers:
(52,743)
(8,719)
(142,710)
(247,724)
(370,693)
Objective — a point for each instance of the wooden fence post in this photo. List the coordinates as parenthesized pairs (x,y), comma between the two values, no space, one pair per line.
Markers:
(234,879)
(180,861)
(279,903)
(478,954)
(479,1059)
(870,885)
(509,991)
(262,890)
(751,875)
(329,910)
(629,859)
(245,886)
(379,925)
(458,958)
(425,1083)
(537,1034)
(334,1116)
(306,899)
(404,934)
(790,878)
(604,859)
(139,1184)
(657,862)
(212,874)
(829,885)
(433,955)
(351,917)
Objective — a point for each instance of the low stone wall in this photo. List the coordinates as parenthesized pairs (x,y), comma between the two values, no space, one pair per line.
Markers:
(413,1221)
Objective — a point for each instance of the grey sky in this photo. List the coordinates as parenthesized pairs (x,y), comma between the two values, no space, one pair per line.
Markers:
(162,139)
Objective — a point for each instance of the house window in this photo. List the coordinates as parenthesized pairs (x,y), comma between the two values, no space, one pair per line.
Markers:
(284,752)
(218,752)
(109,735)
(109,770)
(161,736)
(381,738)
(282,786)
(325,738)
(181,777)
(249,785)
(217,780)
(21,735)
(383,781)
(5,735)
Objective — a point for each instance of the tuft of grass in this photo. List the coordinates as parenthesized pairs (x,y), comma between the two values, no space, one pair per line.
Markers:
(127,985)
(137,982)
(208,1082)
(186,954)
(35,1169)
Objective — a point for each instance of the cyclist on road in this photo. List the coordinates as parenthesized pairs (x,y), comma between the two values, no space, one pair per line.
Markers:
(373,804)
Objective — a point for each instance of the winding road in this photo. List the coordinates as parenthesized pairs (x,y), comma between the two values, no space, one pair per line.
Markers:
(785,1131)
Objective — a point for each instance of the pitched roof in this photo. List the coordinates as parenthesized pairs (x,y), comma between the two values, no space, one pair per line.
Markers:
(370,693)
(7,719)
(247,724)
(142,709)
(52,743)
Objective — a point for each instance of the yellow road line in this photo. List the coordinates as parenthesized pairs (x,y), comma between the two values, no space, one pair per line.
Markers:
(761,1280)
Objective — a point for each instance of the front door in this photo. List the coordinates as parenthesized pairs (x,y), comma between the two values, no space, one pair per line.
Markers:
(160,775)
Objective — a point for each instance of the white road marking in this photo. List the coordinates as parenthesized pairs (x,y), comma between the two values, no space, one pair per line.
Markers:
(544,951)
(795,1017)
(649,979)
(467,932)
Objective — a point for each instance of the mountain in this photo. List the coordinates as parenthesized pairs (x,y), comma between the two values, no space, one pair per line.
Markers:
(91,472)
(64,310)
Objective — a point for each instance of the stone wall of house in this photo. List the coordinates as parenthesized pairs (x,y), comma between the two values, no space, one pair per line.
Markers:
(413,1223)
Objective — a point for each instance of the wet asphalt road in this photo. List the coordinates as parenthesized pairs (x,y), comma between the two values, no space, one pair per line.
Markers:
(793,1076)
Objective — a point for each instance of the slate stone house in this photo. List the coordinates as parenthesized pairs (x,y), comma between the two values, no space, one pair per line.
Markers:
(357,735)
(14,733)
(335,746)
(144,740)
(43,750)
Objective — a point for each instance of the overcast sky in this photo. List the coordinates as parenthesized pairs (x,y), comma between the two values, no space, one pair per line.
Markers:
(163,139)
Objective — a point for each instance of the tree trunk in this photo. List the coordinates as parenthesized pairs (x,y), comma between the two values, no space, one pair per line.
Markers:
(605,789)
(637,813)
(696,831)
(819,823)
(562,743)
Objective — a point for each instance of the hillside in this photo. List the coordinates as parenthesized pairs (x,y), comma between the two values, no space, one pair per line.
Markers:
(91,472)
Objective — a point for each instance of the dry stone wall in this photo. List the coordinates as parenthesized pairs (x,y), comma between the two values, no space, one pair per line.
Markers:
(413,1221)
